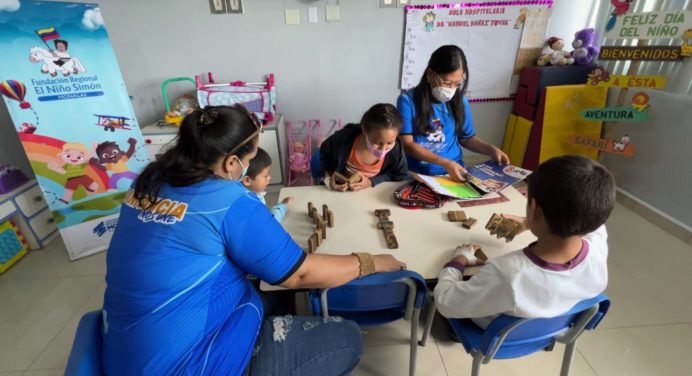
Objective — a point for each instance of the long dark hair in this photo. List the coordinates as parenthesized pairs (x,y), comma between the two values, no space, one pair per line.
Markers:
(204,137)
(444,60)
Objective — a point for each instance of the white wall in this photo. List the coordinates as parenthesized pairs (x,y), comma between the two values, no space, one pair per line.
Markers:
(323,70)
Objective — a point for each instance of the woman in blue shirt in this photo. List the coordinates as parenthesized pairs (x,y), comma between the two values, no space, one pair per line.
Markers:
(178,301)
(438,120)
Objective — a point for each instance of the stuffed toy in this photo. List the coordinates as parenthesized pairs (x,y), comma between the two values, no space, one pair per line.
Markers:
(584,53)
(553,54)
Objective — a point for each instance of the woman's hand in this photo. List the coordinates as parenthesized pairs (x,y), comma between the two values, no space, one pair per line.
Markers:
(455,170)
(334,186)
(364,183)
(499,156)
(521,221)
(387,263)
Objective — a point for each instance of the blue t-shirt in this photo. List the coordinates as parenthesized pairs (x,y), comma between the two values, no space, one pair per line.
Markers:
(440,137)
(178,301)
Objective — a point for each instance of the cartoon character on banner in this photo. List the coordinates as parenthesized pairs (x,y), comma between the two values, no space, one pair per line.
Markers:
(521,19)
(621,7)
(109,157)
(16,90)
(55,60)
(687,43)
(73,162)
(640,101)
(599,74)
(429,20)
(622,144)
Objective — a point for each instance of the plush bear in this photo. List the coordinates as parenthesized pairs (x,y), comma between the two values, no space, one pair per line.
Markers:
(553,54)
(584,53)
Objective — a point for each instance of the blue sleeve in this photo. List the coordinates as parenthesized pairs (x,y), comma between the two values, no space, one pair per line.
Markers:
(467,131)
(257,243)
(407,108)
(279,211)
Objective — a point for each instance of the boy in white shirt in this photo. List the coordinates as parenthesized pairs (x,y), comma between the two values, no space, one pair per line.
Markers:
(569,200)
(257,178)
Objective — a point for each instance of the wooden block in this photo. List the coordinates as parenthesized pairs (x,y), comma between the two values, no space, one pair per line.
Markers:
(355,178)
(385,225)
(330,218)
(339,179)
(325,211)
(323,227)
(481,255)
(310,206)
(311,244)
(392,243)
(314,215)
(470,222)
(382,214)
(493,223)
(456,215)
(318,235)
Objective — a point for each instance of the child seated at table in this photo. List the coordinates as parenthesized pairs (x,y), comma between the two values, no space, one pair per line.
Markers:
(370,149)
(257,179)
(569,200)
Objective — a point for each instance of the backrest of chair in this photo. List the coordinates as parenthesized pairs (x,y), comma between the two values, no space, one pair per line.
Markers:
(525,336)
(85,357)
(379,291)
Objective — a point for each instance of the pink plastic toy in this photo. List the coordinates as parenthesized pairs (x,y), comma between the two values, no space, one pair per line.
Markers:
(299,151)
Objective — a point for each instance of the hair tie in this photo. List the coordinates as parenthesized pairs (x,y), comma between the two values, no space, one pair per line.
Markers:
(208,116)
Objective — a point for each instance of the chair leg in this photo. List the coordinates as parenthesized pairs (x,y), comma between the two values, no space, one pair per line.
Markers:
(477,358)
(429,317)
(414,342)
(567,358)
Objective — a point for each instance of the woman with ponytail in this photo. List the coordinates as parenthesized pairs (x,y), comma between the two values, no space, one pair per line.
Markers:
(437,118)
(178,301)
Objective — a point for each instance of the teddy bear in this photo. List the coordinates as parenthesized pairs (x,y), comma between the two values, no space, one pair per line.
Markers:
(553,54)
(584,53)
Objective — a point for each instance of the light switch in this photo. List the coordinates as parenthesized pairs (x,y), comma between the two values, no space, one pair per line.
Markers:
(403,3)
(312,14)
(387,3)
(333,13)
(292,16)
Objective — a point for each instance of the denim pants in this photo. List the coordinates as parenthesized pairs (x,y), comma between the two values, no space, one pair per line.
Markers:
(306,346)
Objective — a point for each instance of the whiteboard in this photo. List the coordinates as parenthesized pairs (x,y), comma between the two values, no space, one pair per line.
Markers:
(489,34)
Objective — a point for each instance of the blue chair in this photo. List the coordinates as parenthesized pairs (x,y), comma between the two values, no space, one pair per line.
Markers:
(511,337)
(316,167)
(376,299)
(85,357)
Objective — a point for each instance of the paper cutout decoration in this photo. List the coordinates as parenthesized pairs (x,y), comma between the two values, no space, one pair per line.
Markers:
(636,112)
(687,43)
(641,53)
(667,24)
(601,77)
(621,147)
(621,7)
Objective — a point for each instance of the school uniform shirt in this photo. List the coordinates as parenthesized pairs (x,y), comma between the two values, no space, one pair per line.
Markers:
(523,285)
(178,300)
(336,150)
(278,211)
(440,137)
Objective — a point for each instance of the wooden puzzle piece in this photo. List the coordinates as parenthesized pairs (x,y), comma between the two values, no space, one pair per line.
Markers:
(325,212)
(456,216)
(330,218)
(494,222)
(387,227)
(354,178)
(339,178)
(468,223)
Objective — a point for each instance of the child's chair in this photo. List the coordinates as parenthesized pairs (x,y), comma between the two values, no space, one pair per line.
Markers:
(376,299)
(85,357)
(511,337)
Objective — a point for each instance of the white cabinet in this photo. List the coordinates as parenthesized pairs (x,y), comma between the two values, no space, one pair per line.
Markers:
(27,207)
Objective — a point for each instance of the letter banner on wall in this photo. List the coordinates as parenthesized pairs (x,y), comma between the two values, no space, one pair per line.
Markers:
(62,85)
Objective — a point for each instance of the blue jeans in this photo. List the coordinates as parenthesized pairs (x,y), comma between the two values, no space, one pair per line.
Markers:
(306,346)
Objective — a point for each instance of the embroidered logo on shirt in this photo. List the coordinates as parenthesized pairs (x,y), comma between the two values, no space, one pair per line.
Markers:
(165,211)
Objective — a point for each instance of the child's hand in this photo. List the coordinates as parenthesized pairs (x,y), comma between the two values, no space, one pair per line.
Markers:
(466,255)
(523,225)
(362,184)
(287,201)
(333,185)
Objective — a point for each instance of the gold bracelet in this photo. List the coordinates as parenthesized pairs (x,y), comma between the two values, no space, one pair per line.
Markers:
(367,265)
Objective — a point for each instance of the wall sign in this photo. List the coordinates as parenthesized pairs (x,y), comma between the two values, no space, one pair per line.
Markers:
(648,53)
(621,147)
(636,112)
(601,77)
(669,24)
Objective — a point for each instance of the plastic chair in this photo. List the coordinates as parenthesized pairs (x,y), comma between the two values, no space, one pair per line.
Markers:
(85,357)
(376,299)
(511,337)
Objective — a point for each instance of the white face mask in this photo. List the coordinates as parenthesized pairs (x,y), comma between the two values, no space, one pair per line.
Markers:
(443,94)
(230,177)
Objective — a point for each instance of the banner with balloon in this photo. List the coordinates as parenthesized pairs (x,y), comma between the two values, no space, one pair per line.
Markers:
(62,86)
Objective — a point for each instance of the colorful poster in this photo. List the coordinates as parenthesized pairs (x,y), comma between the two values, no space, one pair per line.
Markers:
(667,24)
(487,32)
(64,91)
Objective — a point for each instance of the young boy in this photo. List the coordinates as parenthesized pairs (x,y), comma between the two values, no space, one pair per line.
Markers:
(569,200)
(257,178)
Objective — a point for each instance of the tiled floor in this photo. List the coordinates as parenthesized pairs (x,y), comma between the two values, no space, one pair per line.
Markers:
(647,332)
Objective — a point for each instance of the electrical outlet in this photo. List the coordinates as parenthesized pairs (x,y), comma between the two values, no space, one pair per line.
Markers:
(312,14)
(217,6)
(234,6)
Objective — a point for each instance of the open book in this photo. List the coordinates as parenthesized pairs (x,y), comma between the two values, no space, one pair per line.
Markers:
(482,179)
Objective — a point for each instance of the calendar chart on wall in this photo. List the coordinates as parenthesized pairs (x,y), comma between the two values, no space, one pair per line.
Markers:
(490,34)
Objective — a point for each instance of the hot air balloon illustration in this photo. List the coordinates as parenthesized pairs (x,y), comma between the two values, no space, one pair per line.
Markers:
(16,90)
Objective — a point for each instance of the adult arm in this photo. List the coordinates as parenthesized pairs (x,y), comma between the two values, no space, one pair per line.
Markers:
(454,169)
(477,145)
